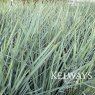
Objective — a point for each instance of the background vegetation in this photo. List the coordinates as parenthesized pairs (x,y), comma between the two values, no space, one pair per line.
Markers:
(38,40)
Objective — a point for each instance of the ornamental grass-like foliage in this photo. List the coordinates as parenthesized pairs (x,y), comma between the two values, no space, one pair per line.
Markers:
(46,49)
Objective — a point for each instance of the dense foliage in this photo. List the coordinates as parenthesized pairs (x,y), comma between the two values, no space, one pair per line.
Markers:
(36,41)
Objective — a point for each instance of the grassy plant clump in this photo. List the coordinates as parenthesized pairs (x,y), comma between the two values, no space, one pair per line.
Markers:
(40,43)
